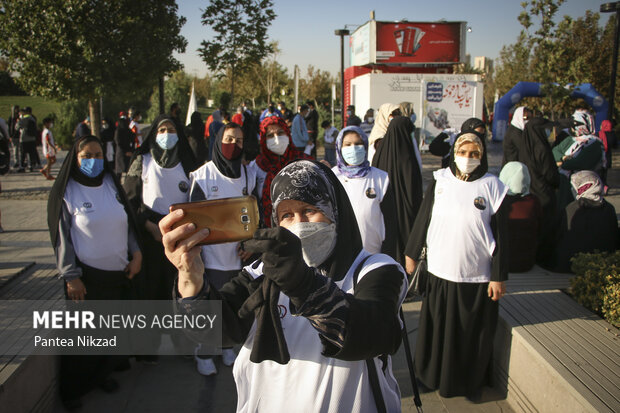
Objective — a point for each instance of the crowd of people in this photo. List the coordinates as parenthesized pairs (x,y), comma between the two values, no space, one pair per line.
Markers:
(338,239)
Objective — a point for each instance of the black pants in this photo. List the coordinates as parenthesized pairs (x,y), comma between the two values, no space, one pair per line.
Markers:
(30,149)
(80,374)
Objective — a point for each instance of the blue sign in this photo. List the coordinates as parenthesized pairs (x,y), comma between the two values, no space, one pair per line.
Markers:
(434,92)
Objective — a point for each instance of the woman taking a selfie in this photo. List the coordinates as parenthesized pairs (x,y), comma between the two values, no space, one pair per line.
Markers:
(317,314)
(97,254)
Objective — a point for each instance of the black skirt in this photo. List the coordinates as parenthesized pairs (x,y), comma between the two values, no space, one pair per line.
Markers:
(455,337)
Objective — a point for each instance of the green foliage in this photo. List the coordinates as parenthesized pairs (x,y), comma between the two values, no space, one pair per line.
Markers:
(40,106)
(77,49)
(176,89)
(570,52)
(596,284)
(240,39)
(71,113)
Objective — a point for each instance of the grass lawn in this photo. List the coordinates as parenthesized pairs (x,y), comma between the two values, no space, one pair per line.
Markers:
(41,107)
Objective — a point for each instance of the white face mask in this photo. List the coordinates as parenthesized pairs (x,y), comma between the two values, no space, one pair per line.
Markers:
(318,239)
(466,165)
(370,119)
(278,144)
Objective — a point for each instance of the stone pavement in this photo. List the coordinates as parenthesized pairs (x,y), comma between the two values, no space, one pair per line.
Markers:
(174,384)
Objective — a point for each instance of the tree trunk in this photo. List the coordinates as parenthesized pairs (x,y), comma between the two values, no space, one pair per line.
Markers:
(232,87)
(95,118)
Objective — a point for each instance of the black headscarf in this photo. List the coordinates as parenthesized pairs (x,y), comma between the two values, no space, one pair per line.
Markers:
(71,169)
(230,169)
(484,164)
(397,157)
(167,158)
(471,124)
(312,182)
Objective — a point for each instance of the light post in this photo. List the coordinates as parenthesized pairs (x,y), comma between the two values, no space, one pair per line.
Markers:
(341,33)
(611,8)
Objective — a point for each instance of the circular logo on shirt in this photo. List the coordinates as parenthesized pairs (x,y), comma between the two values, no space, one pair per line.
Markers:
(87,205)
(282,310)
(480,203)
(214,188)
(370,193)
(183,186)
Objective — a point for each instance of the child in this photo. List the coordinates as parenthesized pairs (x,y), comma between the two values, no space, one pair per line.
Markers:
(329,140)
(49,149)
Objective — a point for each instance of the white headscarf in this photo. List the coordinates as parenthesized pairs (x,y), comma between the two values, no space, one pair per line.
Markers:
(517,118)
(382,120)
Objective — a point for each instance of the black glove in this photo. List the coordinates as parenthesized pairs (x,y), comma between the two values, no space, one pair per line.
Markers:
(567,123)
(283,262)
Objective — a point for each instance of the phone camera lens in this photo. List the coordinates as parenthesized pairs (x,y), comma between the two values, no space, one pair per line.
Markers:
(245,219)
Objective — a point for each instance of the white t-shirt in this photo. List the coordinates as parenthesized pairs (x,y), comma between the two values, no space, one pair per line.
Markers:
(311,382)
(260,178)
(47,141)
(222,257)
(162,187)
(99,225)
(459,239)
(366,195)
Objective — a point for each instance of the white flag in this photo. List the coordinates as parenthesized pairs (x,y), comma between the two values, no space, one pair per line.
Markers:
(192,107)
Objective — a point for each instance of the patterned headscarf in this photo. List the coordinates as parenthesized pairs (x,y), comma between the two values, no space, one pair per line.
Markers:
(587,185)
(304,181)
(272,163)
(586,126)
(352,171)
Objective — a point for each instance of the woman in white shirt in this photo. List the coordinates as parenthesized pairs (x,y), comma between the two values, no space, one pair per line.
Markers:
(369,191)
(93,232)
(224,176)
(462,222)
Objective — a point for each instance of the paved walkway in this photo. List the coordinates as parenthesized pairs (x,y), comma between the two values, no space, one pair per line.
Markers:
(174,384)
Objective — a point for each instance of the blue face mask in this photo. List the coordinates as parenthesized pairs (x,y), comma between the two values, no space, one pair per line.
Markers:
(354,155)
(91,167)
(167,140)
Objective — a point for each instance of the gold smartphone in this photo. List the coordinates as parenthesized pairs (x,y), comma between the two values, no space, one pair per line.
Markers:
(228,219)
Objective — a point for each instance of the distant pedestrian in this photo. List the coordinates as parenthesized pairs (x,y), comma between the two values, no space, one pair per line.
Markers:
(312,123)
(369,121)
(385,114)
(123,141)
(82,129)
(513,139)
(49,147)
(238,116)
(270,111)
(194,133)
(134,126)
(107,138)
(13,123)
(329,142)
(352,118)
(28,138)
(299,131)
(175,114)
(287,114)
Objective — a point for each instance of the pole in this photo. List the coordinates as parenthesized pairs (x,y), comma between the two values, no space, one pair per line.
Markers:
(296,77)
(162,108)
(342,33)
(610,8)
(614,68)
(342,81)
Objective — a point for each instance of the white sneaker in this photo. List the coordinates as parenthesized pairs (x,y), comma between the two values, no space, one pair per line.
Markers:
(228,356)
(206,367)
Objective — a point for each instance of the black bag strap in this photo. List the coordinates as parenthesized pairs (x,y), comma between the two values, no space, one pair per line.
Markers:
(373,376)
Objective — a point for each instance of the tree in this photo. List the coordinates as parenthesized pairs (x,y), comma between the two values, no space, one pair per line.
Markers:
(240,39)
(317,85)
(86,49)
(176,89)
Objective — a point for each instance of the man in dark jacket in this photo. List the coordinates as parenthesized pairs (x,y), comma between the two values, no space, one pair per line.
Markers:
(312,123)
(352,118)
(28,139)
